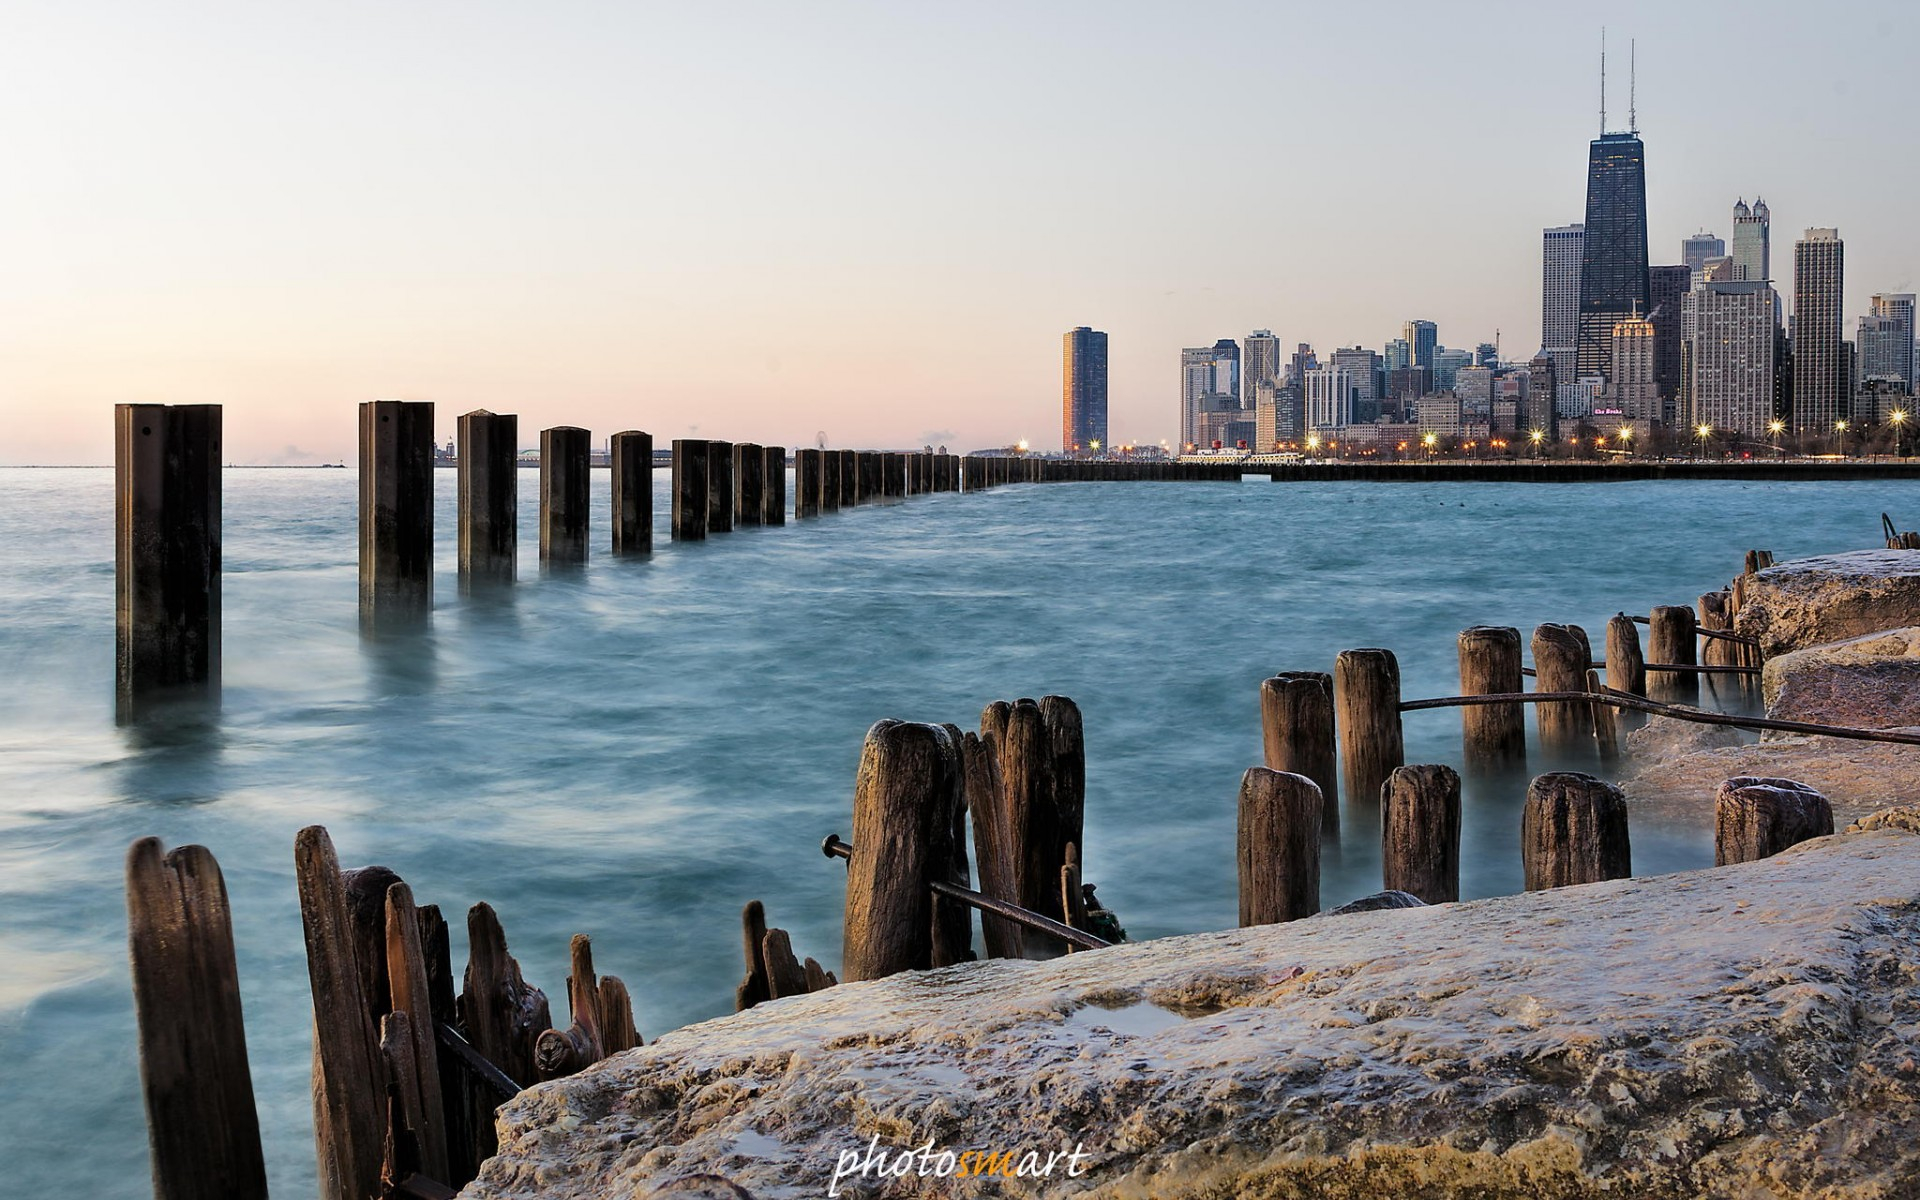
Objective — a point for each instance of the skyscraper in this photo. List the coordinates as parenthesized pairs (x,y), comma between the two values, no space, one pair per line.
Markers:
(1083,389)
(1423,336)
(1259,363)
(1209,383)
(1696,250)
(1613,264)
(1895,360)
(1820,367)
(1330,398)
(1398,356)
(1730,356)
(1635,389)
(1752,241)
(1667,289)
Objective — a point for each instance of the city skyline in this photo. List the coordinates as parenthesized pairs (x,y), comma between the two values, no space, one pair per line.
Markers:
(676,220)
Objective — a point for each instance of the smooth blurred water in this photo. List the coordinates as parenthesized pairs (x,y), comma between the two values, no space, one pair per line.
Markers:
(635,750)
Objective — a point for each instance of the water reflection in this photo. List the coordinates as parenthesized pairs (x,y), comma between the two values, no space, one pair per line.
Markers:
(174,752)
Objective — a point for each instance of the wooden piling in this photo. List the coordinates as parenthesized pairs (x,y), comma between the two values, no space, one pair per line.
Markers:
(754,989)
(849,475)
(690,489)
(1756,817)
(829,481)
(1278,846)
(1626,669)
(501,1014)
(806,484)
(565,497)
(1671,637)
(719,487)
(1420,833)
(906,819)
(166,552)
(558,1052)
(1366,693)
(488,488)
(409,996)
(994,849)
(632,463)
(1560,659)
(396,513)
(773,491)
(1297,732)
(202,1128)
(1493,736)
(1573,830)
(749,483)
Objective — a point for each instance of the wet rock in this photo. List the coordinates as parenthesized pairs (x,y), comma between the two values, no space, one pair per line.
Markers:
(1390,898)
(1701,1034)
(1868,682)
(1830,598)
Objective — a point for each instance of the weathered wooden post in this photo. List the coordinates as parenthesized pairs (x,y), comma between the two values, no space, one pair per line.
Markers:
(408,994)
(849,479)
(773,488)
(1296,724)
(1626,669)
(501,1013)
(202,1128)
(488,487)
(1278,846)
(1493,736)
(995,851)
(632,463)
(719,487)
(1671,634)
(396,513)
(907,810)
(1560,659)
(829,481)
(1573,830)
(1420,833)
(690,457)
(1366,692)
(166,552)
(806,484)
(749,483)
(1755,818)
(1041,758)
(565,495)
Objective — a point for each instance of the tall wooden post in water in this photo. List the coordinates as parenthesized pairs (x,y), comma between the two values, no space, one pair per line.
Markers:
(166,551)
(1366,692)
(1296,725)
(773,491)
(806,484)
(689,489)
(1493,736)
(632,463)
(565,455)
(1277,847)
(1672,632)
(908,810)
(396,513)
(719,487)
(749,483)
(488,492)
(1560,659)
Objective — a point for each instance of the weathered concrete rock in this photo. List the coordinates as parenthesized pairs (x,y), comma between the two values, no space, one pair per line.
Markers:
(1830,598)
(1868,682)
(1743,1032)
(1662,736)
(1677,789)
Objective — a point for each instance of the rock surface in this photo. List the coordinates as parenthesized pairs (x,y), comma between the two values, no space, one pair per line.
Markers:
(1743,1032)
(1830,598)
(1868,682)
(1677,787)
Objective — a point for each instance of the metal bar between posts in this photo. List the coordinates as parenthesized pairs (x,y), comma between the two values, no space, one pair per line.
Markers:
(1607,695)
(833,847)
(1693,668)
(1723,635)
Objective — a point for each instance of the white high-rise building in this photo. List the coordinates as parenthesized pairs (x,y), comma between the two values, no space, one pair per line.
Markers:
(1889,354)
(1752,249)
(1562,248)
(1635,386)
(1330,397)
(1730,356)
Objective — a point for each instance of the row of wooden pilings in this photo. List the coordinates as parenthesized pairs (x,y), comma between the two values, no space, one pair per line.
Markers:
(826,481)
(406,1073)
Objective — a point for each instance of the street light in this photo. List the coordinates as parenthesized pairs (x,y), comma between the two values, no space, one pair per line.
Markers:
(1313,443)
(1429,440)
(1776,427)
(1626,440)
(1536,437)
(1899,418)
(1840,427)
(1701,433)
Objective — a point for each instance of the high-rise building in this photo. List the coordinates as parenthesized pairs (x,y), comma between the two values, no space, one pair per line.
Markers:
(1330,398)
(1424,337)
(1752,241)
(1820,368)
(1891,356)
(1562,250)
(1083,390)
(1613,264)
(1486,354)
(1667,289)
(1447,364)
(1398,356)
(1631,378)
(1303,360)
(1364,366)
(1730,356)
(1541,414)
(1209,383)
(1696,250)
(1259,363)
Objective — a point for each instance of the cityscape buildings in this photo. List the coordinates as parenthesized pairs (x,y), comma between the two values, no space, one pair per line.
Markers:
(1209,391)
(1562,251)
(1667,289)
(1696,250)
(1892,356)
(1330,397)
(1820,366)
(1613,262)
(1752,253)
(1730,356)
(1423,337)
(1083,390)
(1635,389)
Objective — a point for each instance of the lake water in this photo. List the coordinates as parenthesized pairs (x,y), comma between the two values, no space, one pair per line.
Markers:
(635,750)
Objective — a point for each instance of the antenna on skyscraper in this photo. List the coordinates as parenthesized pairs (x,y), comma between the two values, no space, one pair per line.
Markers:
(1603,81)
(1633,83)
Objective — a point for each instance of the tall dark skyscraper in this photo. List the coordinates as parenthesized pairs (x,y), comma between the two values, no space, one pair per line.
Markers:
(1423,337)
(1613,264)
(1083,390)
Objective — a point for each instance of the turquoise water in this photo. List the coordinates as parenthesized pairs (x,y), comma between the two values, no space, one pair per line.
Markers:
(636,750)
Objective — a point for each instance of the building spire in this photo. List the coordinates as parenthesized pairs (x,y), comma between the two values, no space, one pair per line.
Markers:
(1603,81)
(1633,115)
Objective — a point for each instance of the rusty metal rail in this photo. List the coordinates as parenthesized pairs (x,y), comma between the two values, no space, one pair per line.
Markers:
(1676,668)
(1742,638)
(1607,695)
(833,847)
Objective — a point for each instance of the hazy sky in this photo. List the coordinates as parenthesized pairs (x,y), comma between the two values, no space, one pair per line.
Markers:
(874,220)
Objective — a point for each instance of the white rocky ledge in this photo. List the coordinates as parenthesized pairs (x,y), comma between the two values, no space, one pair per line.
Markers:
(1745,1031)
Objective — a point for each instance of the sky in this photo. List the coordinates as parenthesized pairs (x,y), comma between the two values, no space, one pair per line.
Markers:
(767,222)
